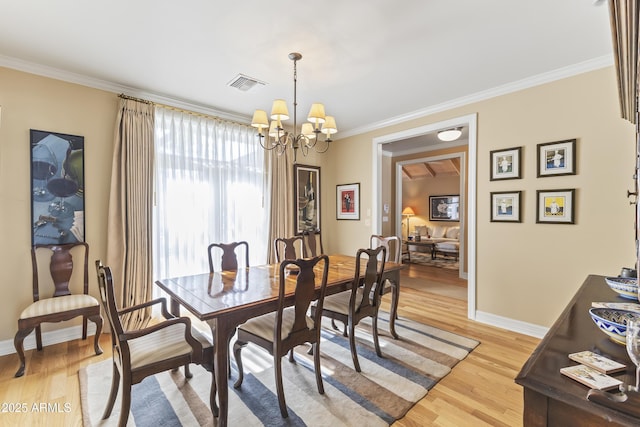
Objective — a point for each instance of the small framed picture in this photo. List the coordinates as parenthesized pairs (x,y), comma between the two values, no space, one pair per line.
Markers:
(444,208)
(505,164)
(348,201)
(557,158)
(505,206)
(556,206)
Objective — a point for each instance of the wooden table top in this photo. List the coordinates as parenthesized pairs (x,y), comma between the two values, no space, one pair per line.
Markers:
(210,296)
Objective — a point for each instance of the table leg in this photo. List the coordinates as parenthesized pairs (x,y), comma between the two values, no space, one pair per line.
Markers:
(222,334)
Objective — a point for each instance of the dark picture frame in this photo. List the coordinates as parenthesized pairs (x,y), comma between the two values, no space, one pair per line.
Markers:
(57,187)
(506,164)
(505,206)
(444,208)
(556,158)
(348,201)
(306,184)
(556,206)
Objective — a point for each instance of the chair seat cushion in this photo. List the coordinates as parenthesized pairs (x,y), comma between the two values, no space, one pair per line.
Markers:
(339,303)
(163,344)
(448,246)
(58,305)
(262,326)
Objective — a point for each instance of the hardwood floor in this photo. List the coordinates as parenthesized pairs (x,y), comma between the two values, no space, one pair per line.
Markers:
(479,391)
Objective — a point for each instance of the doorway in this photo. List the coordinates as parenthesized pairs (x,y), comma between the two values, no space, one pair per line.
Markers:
(413,135)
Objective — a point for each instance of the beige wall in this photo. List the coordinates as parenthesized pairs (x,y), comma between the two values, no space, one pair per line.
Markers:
(528,272)
(32,102)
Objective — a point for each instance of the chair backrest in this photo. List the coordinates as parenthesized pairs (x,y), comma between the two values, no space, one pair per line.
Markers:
(108,301)
(392,245)
(305,292)
(54,264)
(312,243)
(229,259)
(366,291)
(288,248)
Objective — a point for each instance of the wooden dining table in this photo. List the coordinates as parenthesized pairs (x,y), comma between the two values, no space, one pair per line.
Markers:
(226,299)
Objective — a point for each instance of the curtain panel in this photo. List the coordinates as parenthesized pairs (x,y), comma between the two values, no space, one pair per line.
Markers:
(210,187)
(129,223)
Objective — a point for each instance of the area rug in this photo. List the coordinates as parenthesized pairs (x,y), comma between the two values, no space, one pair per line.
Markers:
(383,392)
(441,262)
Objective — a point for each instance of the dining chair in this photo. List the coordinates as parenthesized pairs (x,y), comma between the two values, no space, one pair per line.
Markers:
(139,353)
(312,243)
(229,258)
(363,300)
(55,266)
(281,331)
(393,245)
(288,248)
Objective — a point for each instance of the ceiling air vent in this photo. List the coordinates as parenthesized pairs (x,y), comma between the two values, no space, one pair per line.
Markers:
(244,83)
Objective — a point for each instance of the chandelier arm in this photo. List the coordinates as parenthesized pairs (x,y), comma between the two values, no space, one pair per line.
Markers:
(327,141)
(264,146)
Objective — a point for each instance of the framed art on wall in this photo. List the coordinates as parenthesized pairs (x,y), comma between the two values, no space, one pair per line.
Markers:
(57,187)
(557,158)
(505,164)
(444,208)
(306,182)
(348,201)
(556,206)
(505,206)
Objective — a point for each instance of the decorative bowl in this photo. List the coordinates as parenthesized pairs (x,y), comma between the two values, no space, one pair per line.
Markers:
(613,322)
(626,287)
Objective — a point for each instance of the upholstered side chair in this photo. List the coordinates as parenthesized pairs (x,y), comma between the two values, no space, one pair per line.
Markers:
(61,268)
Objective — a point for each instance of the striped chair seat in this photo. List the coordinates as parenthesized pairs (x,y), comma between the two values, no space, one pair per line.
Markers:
(339,303)
(262,326)
(163,344)
(58,305)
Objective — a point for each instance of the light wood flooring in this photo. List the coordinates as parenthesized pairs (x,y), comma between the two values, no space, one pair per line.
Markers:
(478,392)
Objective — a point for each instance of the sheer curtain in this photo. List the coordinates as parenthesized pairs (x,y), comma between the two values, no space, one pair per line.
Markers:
(210,187)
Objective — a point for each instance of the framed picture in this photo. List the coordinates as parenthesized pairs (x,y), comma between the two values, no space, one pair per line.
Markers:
(57,188)
(444,208)
(505,206)
(348,201)
(306,183)
(505,164)
(557,158)
(556,206)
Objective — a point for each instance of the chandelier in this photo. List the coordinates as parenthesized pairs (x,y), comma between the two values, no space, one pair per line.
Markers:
(277,138)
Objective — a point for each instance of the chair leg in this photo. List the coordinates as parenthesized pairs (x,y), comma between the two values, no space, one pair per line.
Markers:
(317,367)
(115,383)
(374,331)
(18,343)
(125,407)
(277,365)
(97,319)
(352,344)
(39,338)
(291,359)
(187,371)
(237,350)
(84,327)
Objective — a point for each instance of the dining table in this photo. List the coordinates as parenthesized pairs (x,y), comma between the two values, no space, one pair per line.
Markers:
(226,299)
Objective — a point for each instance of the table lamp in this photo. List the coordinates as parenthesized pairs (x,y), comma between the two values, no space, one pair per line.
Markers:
(408,212)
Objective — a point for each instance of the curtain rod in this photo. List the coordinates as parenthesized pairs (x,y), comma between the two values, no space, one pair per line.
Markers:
(180,110)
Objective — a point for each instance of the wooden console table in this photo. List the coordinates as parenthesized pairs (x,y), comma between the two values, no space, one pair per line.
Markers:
(550,398)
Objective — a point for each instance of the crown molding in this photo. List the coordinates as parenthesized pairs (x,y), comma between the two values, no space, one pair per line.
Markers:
(70,77)
(540,79)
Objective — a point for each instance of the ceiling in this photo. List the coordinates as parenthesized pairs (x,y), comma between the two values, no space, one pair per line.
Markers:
(371,63)
(431,169)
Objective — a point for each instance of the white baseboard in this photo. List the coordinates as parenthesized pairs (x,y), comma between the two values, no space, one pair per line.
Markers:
(48,338)
(511,324)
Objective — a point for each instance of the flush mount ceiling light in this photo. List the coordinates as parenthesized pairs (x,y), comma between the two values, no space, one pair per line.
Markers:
(449,134)
(279,139)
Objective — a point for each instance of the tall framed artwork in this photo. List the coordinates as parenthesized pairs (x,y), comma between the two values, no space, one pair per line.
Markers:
(306,183)
(57,187)
(348,201)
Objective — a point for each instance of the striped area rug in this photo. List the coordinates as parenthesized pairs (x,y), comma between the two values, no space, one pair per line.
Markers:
(382,393)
